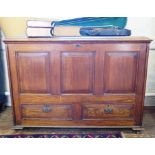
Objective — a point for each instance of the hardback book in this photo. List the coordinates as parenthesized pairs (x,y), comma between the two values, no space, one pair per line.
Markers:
(39,23)
(66,31)
(38,32)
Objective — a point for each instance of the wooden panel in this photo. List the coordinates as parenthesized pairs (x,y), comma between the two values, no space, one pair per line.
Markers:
(108,111)
(52,112)
(77,72)
(99,71)
(79,124)
(55,72)
(141,83)
(33,72)
(120,72)
(14,84)
(33,98)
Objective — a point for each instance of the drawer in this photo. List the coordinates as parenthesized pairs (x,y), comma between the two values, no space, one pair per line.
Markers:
(107,111)
(47,111)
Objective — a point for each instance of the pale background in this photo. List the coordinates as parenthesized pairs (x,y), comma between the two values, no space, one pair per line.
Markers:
(146,27)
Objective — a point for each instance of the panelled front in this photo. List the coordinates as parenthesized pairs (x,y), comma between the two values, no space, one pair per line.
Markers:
(64,83)
(89,69)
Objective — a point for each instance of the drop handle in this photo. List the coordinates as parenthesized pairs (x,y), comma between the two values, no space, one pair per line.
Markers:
(77,45)
(108,110)
(46,108)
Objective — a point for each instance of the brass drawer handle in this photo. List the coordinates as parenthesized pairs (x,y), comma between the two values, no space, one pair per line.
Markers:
(77,45)
(108,110)
(46,108)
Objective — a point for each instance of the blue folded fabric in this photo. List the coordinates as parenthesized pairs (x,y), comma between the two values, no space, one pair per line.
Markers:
(100,31)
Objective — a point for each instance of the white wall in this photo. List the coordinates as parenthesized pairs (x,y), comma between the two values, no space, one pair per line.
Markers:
(145,26)
(7,86)
(142,26)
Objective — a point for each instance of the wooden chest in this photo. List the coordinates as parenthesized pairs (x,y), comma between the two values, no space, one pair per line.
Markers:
(78,82)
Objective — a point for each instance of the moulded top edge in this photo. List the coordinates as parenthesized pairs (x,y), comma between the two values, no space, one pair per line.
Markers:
(81,38)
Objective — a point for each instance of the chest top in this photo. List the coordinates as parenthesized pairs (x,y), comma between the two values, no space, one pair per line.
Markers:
(81,39)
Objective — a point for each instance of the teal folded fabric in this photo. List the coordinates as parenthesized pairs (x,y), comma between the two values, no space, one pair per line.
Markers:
(117,22)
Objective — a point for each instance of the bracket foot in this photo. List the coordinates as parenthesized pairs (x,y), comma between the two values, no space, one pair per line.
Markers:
(17,127)
(137,129)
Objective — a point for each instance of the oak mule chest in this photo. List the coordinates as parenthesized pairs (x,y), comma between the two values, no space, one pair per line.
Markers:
(78,82)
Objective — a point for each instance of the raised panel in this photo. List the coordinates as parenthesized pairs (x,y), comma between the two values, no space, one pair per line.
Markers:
(120,72)
(33,72)
(77,72)
(108,111)
(47,111)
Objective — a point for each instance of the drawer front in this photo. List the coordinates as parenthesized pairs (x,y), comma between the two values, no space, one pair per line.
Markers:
(107,111)
(47,111)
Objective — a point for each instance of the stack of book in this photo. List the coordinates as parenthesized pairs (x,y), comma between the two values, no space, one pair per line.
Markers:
(44,29)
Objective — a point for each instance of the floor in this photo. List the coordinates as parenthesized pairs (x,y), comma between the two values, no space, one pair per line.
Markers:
(148,124)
